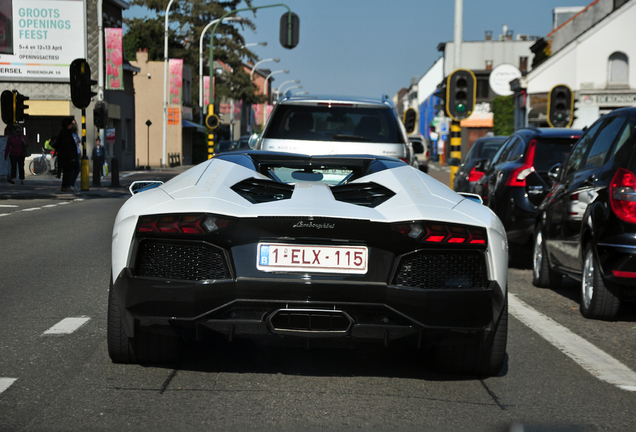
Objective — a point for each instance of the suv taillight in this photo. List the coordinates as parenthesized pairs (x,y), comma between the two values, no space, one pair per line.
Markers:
(519,175)
(623,195)
(474,175)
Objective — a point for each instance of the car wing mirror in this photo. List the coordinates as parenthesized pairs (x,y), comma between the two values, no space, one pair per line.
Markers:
(143,185)
(418,147)
(253,140)
(482,165)
(454,162)
(472,197)
(554,172)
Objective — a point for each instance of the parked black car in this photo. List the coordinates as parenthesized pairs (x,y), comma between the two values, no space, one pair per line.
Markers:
(481,151)
(586,227)
(518,178)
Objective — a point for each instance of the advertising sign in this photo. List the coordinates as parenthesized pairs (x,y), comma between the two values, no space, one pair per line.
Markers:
(175,80)
(40,38)
(114,59)
(500,78)
(206,90)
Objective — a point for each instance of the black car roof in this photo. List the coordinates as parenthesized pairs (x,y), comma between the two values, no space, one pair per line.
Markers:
(550,132)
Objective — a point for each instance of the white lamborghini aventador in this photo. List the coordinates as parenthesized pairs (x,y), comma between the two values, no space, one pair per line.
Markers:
(258,243)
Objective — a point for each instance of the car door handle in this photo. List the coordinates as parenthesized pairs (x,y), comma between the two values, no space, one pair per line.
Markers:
(591,180)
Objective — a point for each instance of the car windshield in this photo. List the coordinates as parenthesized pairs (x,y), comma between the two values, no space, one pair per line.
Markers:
(550,152)
(334,122)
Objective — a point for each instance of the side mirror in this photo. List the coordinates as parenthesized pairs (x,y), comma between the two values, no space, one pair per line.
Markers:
(472,197)
(144,185)
(554,172)
(418,147)
(253,140)
(482,165)
(454,162)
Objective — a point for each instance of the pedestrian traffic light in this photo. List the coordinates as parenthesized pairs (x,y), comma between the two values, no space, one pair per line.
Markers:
(8,107)
(409,119)
(440,94)
(560,106)
(289,30)
(20,115)
(81,82)
(460,96)
(100,115)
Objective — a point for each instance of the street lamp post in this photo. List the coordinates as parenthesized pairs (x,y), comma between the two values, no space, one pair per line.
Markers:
(267,100)
(280,87)
(294,87)
(165,82)
(261,61)
(148,123)
(238,19)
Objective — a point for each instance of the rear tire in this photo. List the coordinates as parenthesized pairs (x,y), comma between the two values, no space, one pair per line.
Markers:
(542,274)
(119,346)
(470,359)
(597,302)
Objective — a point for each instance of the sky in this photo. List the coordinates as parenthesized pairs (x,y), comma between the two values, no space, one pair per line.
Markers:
(375,47)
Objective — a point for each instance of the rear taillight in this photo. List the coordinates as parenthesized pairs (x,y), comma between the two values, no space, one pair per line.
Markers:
(182,224)
(623,195)
(519,175)
(434,232)
(475,175)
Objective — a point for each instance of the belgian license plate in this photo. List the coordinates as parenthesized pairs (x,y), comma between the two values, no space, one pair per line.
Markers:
(324,259)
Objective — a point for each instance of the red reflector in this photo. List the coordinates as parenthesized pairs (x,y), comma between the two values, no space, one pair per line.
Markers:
(624,274)
(477,241)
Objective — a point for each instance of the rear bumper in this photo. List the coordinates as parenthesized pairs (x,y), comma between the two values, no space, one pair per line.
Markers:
(618,263)
(300,307)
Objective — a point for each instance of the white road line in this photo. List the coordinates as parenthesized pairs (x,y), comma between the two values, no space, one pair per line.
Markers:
(50,205)
(7,205)
(5,383)
(589,357)
(32,208)
(67,326)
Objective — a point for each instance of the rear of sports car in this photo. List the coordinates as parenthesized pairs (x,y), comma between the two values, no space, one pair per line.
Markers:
(356,249)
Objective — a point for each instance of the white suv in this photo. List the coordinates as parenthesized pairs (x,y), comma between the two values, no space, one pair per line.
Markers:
(322,126)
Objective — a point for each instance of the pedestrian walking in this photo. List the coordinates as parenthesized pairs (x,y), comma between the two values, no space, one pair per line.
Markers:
(17,150)
(99,155)
(68,160)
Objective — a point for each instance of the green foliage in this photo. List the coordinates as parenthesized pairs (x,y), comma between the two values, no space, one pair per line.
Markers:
(187,20)
(503,108)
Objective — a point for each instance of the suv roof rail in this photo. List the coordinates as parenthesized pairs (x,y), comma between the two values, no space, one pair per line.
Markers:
(385,98)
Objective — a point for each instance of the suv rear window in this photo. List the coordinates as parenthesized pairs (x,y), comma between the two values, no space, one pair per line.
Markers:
(550,152)
(334,123)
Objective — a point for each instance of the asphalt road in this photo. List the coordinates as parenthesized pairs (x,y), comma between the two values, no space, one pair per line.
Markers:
(563,372)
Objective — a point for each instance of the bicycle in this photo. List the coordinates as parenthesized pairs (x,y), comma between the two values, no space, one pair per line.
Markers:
(40,164)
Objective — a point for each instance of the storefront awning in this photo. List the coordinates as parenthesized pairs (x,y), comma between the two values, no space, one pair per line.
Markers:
(198,127)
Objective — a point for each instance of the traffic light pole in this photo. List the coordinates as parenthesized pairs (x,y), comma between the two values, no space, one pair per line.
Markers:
(84,164)
(455,148)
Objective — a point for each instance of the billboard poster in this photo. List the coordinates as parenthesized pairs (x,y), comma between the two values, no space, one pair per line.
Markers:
(206,91)
(40,38)
(175,80)
(114,59)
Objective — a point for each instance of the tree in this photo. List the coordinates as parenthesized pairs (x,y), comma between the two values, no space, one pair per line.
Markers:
(503,109)
(187,20)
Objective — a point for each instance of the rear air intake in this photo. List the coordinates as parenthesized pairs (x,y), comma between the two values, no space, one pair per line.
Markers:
(262,191)
(362,194)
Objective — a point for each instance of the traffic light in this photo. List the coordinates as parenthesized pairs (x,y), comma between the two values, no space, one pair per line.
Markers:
(20,115)
(440,94)
(560,106)
(212,120)
(409,119)
(289,30)
(100,115)
(81,82)
(460,94)
(8,109)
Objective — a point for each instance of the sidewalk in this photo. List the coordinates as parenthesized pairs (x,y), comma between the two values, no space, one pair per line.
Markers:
(47,186)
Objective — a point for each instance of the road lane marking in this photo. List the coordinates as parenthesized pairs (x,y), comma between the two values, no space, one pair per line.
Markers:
(588,356)
(32,208)
(67,326)
(8,205)
(5,383)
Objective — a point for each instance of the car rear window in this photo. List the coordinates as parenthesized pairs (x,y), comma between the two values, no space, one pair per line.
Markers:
(550,152)
(488,149)
(330,122)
